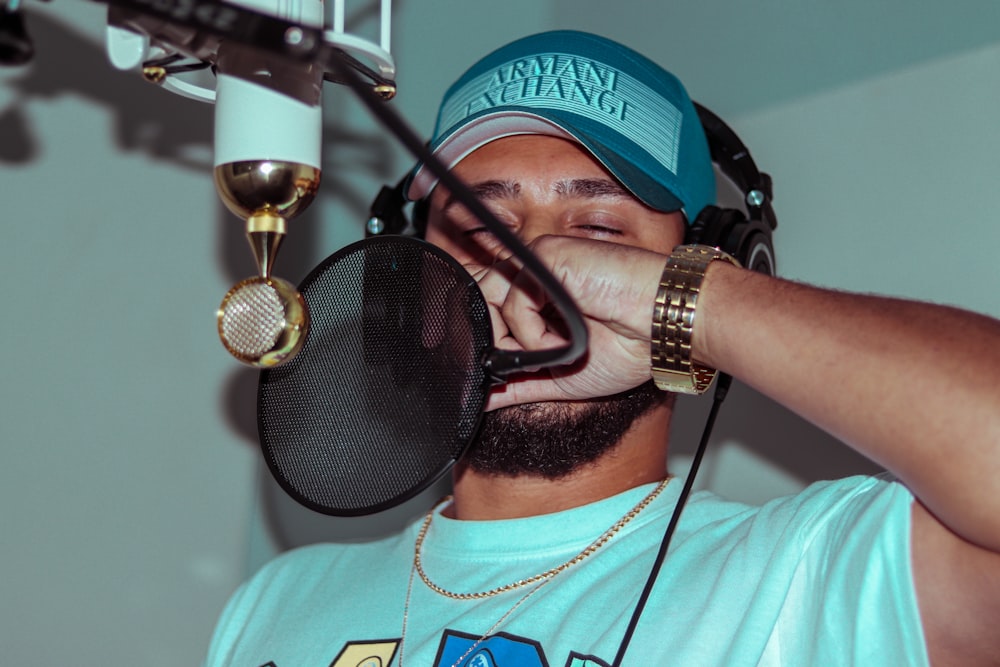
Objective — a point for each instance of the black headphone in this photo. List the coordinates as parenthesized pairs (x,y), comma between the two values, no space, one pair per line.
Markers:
(745,236)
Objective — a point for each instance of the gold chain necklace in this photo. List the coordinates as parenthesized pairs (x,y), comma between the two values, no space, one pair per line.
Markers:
(539,579)
(482,638)
(521,583)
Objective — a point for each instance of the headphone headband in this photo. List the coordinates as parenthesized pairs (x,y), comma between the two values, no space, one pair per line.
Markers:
(733,158)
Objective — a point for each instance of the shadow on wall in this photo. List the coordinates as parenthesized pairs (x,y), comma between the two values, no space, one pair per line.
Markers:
(165,125)
(179,132)
(147,119)
(769,431)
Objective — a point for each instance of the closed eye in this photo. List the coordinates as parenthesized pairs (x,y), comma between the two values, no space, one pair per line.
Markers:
(601,230)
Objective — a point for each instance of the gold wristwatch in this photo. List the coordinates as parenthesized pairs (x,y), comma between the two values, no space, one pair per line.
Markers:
(674,316)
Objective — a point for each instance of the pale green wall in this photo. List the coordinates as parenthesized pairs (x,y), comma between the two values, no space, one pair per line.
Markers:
(884,186)
(133,500)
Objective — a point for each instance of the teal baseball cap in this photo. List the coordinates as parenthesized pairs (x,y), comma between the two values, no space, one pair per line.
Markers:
(633,116)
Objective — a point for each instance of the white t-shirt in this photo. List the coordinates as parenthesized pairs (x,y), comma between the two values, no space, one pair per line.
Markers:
(817,579)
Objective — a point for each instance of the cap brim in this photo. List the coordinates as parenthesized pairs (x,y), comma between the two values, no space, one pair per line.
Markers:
(453,147)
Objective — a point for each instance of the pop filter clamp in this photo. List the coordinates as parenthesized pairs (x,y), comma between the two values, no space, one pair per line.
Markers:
(215,21)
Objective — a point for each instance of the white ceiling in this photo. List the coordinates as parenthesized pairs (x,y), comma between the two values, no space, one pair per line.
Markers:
(735,56)
(738,56)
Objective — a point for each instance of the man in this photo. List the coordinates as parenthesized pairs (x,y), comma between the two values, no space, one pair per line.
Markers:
(559,507)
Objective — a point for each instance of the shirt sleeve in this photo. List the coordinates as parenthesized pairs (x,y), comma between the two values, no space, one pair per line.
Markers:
(856,561)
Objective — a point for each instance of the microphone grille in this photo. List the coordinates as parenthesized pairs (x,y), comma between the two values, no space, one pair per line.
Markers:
(262,321)
(252,319)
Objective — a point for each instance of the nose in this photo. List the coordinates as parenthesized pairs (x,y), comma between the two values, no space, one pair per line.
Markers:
(535,223)
(527,230)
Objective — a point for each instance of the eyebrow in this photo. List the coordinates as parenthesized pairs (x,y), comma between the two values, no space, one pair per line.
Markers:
(584,188)
(487,190)
(590,188)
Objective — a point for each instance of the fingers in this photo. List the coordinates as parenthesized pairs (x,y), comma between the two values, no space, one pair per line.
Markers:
(495,286)
(518,314)
(611,283)
(614,286)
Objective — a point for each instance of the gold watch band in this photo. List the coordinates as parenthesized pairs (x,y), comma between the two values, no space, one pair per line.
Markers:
(674,317)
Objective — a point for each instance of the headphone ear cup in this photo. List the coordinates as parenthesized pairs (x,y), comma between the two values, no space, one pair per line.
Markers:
(749,241)
(756,252)
(704,227)
(386,211)
(419,217)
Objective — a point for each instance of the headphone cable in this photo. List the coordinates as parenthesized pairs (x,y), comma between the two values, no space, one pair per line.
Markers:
(721,390)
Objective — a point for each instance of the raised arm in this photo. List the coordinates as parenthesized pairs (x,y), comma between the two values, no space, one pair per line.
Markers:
(911,385)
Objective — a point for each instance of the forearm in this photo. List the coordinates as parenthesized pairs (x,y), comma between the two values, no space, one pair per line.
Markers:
(913,386)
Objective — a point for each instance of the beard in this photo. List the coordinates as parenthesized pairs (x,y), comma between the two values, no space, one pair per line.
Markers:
(552,440)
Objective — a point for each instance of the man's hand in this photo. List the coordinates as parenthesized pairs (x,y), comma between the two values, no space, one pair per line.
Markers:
(612,284)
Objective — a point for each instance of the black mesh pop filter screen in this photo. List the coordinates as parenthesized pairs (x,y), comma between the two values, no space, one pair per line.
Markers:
(389,387)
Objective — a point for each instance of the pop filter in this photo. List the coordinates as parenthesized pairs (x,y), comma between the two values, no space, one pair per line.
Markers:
(390,385)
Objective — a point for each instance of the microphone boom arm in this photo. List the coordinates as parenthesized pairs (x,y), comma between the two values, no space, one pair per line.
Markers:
(500,362)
